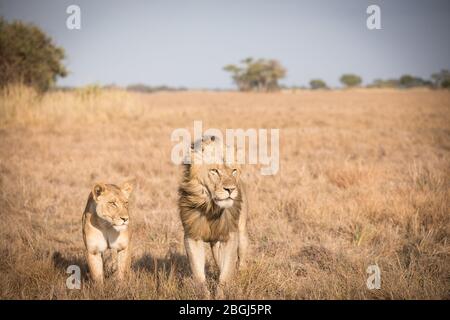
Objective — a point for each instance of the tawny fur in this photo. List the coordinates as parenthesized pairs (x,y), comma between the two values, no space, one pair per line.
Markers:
(106,226)
(213,210)
(203,219)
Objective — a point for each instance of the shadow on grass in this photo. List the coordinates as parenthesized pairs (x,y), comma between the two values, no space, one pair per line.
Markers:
(62,262)
(173,262)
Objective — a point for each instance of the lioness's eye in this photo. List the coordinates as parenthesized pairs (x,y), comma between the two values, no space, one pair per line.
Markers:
(234,173)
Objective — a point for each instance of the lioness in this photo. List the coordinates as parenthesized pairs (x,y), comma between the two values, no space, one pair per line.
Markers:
(212,210)
(106,226)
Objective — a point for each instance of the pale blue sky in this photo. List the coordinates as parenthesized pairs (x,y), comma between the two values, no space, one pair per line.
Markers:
(186,43)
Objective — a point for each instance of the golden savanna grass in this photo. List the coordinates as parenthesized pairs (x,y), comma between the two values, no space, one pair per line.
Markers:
(364,179)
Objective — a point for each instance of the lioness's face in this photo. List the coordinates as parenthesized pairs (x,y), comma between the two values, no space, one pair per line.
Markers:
(112,204)
(222,184)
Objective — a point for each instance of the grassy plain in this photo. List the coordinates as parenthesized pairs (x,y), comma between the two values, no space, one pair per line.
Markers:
(364,179)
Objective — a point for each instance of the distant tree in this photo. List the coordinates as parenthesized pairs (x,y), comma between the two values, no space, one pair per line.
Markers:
(317,84)
(258,75)
(140,88)
(408,81)
(380,83)
(441,79)
(350,80)
(237,76)
(28,56)
(143,88)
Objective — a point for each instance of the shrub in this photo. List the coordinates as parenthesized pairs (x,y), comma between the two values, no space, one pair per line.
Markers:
(350,80)
(318,84)
(28,56)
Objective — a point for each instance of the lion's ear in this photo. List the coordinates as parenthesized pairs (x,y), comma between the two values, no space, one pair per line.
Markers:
(200,144)
(98,190)
(127,187)
(208,141)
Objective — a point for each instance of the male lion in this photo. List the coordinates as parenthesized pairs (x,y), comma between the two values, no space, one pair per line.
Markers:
(212,210)
(106,226)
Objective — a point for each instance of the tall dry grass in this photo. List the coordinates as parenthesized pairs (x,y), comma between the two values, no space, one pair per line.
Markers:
(364,179)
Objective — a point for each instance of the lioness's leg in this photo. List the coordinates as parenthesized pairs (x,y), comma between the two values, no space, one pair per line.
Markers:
(196,254)
(123,262)
(95,264)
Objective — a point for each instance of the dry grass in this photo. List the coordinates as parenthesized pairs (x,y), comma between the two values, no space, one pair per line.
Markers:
(364,178)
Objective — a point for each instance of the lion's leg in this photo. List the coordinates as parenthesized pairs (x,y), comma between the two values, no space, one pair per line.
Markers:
(215,251)
(195,250)
(243,239)
(196,254)
(95,264)
(123,263)
(242,249)
(225,255)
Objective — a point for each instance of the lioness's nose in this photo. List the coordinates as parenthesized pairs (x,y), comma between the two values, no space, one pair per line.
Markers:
(229,189)
(125,219)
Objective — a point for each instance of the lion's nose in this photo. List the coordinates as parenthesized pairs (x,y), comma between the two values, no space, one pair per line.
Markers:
(125,219)
(229,189)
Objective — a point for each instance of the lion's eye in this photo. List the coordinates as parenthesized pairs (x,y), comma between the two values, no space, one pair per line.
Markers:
(112,203)
(214,171)
(234,173)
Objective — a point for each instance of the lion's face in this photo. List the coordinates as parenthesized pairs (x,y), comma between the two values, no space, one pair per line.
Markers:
(211,193)
(221,182)
(112,204)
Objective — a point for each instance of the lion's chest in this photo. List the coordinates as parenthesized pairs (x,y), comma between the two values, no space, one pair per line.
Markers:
(211,229)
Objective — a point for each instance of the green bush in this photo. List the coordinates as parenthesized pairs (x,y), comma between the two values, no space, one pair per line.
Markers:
(350,80)
(28,56)
(317,84)
(408,81)
(381,83)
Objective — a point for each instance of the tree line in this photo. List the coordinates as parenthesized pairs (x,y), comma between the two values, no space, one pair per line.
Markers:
(439,80)
(29,56)
(264,75)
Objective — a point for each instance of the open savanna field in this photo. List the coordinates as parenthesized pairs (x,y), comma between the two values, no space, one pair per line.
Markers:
(364,179)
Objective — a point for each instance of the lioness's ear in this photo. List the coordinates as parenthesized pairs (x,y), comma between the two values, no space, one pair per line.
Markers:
(98,189)
(127,187)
